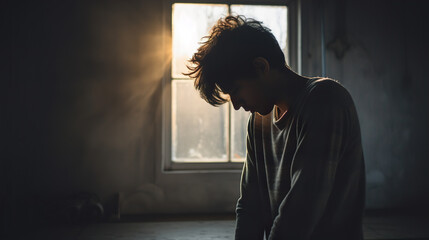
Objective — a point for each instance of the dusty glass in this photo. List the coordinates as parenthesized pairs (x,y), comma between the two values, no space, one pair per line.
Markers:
(273,17)
(238,134)
(190,23)
(199,131)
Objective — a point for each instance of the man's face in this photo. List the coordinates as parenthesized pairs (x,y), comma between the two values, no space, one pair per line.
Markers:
(252,95)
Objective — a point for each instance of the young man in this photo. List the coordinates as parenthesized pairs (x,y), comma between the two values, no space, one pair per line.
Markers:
(304,175)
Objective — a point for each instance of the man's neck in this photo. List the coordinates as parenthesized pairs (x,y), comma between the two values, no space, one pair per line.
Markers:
(289,86)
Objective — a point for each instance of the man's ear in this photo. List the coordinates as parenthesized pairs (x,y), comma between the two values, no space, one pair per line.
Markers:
(261,65)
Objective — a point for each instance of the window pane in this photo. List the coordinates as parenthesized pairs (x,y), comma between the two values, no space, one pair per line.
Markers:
(199,131)
(191,22)
(238,134)
(273,17)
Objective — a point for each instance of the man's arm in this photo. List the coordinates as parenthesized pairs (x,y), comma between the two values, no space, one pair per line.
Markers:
(321,131)
(249,217)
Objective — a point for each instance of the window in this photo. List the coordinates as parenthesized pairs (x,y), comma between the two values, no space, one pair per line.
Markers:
(197,135)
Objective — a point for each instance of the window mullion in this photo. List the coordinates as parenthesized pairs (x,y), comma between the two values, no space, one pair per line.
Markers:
(229,146)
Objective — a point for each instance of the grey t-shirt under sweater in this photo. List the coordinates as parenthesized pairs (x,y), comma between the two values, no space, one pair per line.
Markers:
(304,175)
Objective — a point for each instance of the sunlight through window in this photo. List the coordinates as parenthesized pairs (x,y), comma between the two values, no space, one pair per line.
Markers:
(199,132)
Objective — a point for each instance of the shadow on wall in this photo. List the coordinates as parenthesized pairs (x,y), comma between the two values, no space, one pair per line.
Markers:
(84,100)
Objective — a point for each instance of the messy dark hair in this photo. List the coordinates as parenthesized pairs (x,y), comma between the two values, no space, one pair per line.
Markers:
(228,53)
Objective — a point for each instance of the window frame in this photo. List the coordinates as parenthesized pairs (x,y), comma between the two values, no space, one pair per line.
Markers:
(167,163)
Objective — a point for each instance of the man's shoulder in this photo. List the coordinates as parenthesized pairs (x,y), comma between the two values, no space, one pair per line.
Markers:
(325,85)
(327,90)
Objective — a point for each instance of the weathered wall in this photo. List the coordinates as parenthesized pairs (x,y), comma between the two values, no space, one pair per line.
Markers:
(83,112)
(83,99)
(82,103)
(377,50)
(383,69)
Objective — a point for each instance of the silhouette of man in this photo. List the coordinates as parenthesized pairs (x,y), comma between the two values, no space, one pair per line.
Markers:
(304,175)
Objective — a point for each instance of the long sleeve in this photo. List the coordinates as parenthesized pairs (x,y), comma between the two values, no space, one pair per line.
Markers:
(322,127)
(249,225)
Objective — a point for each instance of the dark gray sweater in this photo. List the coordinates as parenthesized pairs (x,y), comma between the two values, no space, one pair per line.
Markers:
(304,175)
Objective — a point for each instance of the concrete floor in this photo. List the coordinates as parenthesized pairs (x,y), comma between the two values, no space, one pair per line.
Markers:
(376,226)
